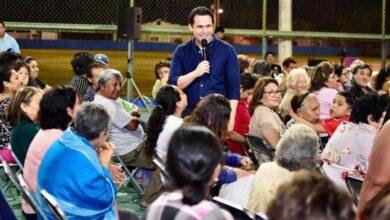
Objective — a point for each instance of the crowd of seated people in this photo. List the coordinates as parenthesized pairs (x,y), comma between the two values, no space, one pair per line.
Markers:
(328,116)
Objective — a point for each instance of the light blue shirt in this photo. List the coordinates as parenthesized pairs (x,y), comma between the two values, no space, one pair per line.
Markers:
(9,42)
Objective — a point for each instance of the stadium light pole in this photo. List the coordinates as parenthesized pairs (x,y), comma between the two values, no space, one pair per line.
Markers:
(264,38)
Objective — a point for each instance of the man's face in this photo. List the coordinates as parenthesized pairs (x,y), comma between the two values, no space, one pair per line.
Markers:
(112,89)
(270,58)
(96,71)
(2,30)
(202,28)
(290,67)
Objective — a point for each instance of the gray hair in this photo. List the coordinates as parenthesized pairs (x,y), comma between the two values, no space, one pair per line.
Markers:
(91,120)
(297,148)
(107,75)
(292,77)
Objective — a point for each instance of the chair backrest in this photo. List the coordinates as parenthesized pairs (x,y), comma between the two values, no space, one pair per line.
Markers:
(17,160)
(354,186)
(237,211)
(160,165)
(260,145)
(54,206)
(10,173)
(29,196)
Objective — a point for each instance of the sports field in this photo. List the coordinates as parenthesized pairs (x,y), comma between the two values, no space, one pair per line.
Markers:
(55,68)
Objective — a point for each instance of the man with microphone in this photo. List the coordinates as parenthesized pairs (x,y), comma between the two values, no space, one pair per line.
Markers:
(205,64)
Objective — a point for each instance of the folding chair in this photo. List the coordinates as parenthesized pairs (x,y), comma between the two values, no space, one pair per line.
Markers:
(260,146)
(17,161)
(30,198)
(8,169)
(129,177)
(354,185)
(237,211)
(53,205)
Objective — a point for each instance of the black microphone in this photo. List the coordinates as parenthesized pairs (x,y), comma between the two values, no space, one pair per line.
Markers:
(204,45)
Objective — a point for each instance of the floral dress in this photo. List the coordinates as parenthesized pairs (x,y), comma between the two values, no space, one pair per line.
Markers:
(5,125)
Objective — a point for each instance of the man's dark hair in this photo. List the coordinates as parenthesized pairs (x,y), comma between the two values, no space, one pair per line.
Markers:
(2,22)
(80,62)
(200,11)
(289,60)
(247,81)
(219,29)
(268,53)
(53,107)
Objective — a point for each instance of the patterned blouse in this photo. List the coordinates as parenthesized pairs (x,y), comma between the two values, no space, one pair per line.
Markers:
(348,150)
(5,125)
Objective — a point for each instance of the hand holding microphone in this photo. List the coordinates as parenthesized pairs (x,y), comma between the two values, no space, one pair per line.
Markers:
(204,66)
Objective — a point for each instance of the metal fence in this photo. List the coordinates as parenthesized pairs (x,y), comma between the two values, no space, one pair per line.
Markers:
(354,16)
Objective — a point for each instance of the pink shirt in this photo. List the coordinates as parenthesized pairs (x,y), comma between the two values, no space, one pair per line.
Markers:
(37,150)
(325,96)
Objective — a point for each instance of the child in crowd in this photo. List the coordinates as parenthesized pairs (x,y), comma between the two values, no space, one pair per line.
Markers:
(340,110)
(236,139)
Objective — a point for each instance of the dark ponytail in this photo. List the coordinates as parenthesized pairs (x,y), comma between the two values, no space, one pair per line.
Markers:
(166,100)
(194,153)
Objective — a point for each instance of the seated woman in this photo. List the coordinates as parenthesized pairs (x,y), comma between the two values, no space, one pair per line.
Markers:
(164,120)
(9,84)
(310,196)
(23,71)
(306,106)
(340,110)
(296,150)
(265,121)
(57,111)
(351,144)
(297,81)
(361,75)
(162,73)
(23,114)
(194,162)
(213,111)
(324,85)
(75,171)
(382,80)
(34,72)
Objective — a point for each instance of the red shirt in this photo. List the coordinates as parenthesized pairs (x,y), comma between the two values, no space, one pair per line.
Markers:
(241,125)
(331,124)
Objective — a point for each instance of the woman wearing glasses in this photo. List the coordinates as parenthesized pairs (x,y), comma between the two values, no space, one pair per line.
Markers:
(265,121)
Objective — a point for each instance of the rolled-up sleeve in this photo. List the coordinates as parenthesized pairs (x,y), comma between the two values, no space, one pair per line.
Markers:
(176,69)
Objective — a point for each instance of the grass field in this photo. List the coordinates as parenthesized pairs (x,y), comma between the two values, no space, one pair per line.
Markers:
(55,68)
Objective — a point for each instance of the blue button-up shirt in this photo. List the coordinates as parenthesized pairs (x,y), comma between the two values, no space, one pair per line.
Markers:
(224,76)
(9,42)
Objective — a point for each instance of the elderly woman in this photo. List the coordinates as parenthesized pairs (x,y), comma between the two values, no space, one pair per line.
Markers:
(57,110)
(9,84)
(324,84)
(295,151)
(306,106)
(297,81)
(348,150)
(194,162)
(23,114)
(79,159)
(265,121)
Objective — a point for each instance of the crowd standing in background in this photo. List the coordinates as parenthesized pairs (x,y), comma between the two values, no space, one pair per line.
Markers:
(317,126)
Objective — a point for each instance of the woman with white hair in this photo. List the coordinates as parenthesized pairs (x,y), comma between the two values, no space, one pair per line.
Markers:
(296,150)
(297,81)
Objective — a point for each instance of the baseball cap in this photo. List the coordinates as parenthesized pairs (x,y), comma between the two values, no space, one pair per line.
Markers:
(101,58)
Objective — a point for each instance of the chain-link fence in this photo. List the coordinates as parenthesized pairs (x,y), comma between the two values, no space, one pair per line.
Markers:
(355,16)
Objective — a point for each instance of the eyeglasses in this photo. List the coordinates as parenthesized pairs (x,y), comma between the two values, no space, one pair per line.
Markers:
(274,93)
